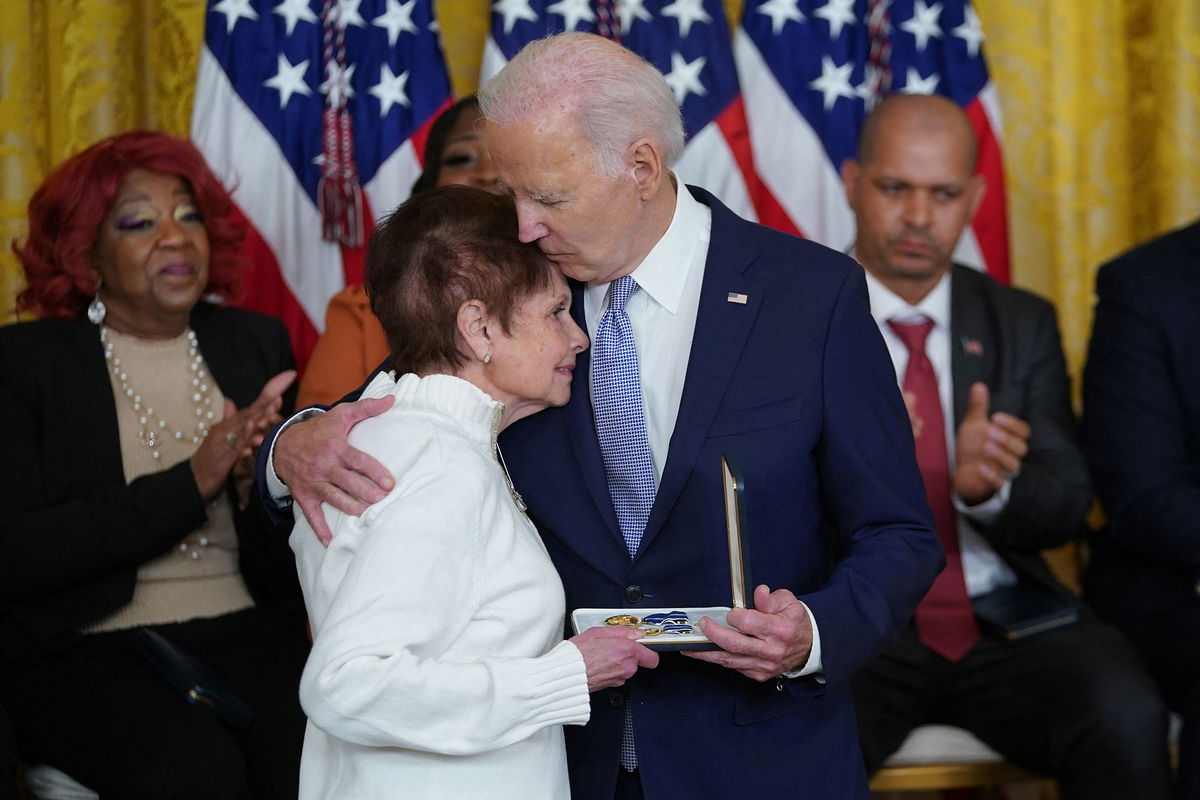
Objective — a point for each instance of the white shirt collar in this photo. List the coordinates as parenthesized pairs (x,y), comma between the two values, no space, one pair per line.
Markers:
(887,305)
(659,275)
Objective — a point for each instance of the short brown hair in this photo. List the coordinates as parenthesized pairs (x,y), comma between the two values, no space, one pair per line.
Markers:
(432,254)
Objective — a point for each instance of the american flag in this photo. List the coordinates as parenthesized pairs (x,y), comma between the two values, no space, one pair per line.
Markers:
(810,71)
(688,40)
(301,98)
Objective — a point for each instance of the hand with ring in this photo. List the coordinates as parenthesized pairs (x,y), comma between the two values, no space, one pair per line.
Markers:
(229,447)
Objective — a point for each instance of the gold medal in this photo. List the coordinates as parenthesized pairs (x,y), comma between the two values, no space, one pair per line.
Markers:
(628,620)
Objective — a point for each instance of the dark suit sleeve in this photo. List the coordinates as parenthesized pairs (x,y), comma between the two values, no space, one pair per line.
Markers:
(1052,494)
(1136,424)
(280,513)
(872,491)
(57,530)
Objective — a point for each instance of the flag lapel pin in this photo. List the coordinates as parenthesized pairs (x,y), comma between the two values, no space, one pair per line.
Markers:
(736,297)
(972,347)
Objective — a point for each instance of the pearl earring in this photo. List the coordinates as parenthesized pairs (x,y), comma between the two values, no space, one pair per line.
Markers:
(487,359)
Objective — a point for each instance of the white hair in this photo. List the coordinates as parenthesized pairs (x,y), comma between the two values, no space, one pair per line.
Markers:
(615,96)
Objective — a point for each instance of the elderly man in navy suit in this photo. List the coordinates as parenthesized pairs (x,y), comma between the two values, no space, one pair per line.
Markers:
(984,377)
(711,336)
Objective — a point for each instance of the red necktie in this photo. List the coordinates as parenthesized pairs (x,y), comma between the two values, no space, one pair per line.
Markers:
(944,619)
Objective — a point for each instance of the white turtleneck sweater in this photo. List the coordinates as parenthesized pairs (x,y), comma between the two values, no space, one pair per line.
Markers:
(438,668)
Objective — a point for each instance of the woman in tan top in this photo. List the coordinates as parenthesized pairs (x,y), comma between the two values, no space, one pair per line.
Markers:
(130,414)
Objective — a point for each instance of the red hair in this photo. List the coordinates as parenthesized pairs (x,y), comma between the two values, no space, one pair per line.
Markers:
(66,211)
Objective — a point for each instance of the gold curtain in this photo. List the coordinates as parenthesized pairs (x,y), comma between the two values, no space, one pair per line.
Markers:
(1101,105)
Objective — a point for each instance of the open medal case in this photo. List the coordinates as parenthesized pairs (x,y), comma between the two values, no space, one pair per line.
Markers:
(666,629)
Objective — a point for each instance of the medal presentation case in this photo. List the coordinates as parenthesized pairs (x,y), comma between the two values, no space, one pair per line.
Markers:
(666,629)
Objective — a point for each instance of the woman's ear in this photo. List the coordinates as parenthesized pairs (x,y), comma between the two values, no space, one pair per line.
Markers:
(473,324)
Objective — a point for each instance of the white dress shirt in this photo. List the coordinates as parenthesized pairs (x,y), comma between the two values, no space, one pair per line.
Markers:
(663,313)
(983,569)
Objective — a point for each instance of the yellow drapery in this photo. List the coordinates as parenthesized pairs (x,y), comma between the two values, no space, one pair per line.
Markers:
(1101,105)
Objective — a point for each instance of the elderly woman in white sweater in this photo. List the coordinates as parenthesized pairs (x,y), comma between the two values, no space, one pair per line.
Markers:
(438,668)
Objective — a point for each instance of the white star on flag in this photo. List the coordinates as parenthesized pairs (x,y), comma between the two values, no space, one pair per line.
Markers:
(687,12)
(970,31)
(834,81)
(390,89)
(288,80)
(684,78)
(915,84)
(345,14)
(235,10)
(397,20)
(924,23)
(513,10)
(573,12)
(294,11)
(838,13)
(629,10)
(781,12)
(337,84)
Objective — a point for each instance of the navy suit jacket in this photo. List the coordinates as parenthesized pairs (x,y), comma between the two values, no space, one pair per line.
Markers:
(796,387)
(1142,429)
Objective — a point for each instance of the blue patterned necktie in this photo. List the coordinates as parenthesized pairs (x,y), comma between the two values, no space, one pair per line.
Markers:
(624,444)
(619,416)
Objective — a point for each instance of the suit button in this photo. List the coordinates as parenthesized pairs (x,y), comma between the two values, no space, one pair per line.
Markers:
(634,594)
(616,699)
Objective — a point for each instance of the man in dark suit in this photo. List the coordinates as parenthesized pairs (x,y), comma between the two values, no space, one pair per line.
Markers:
(1141,422)
(744,342)
(986,385)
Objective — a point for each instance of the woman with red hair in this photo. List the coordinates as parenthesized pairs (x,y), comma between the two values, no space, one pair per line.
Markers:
(130,415)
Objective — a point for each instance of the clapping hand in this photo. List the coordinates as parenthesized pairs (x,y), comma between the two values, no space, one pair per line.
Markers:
(989,449)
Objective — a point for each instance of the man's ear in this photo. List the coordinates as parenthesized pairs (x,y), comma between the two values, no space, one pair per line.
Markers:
(473,322)
(850,170)
(647,167)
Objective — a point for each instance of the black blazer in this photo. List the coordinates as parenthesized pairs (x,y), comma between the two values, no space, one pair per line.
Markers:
(72,532)
(1008,339)
(1142,426)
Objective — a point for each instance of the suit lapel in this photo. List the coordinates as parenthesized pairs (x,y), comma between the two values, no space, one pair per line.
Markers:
(974,342)
(717,341)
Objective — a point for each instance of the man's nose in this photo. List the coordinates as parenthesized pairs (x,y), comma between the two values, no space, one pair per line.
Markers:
(530,227)
(917,206)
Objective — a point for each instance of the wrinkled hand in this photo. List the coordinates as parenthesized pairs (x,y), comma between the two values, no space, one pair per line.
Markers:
(236,436)
(772,638)
(316,462)
(989,449)
(612,655)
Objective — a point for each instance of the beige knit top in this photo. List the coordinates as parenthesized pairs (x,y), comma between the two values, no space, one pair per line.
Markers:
(198,577)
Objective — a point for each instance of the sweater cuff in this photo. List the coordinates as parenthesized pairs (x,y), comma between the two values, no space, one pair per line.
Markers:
(559,681)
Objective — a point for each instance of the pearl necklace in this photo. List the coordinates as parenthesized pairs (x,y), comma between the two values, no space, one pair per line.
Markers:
(153,429)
